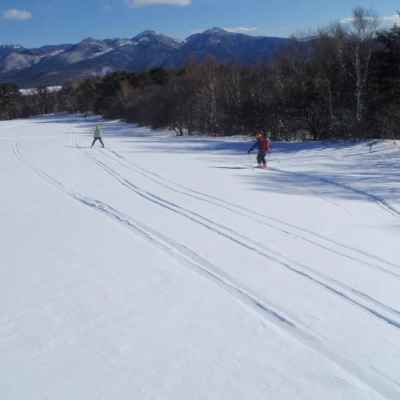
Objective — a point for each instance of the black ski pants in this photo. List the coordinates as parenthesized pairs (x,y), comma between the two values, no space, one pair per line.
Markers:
(97,139)
(261,158)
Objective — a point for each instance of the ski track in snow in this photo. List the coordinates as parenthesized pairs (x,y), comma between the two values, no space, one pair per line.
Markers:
(386,314)
(283,227)
(371,197)
(186,256)
(256,216)
(360,375)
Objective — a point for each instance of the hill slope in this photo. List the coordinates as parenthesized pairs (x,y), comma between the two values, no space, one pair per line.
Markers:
(171,268)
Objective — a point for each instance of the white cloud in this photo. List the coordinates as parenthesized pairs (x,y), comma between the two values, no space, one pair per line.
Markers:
(347,20)
(390,20)
(145,3)
(242,29)
(19,15)
(386,21)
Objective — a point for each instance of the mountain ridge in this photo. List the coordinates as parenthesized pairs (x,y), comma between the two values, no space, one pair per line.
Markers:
(57,64)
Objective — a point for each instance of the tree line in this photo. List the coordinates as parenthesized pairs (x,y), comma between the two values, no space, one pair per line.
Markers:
(341,83)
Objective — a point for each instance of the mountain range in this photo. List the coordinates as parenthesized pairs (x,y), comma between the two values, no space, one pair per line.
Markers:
(57,64)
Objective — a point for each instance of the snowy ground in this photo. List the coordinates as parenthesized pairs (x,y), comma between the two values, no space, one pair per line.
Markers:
(169,268)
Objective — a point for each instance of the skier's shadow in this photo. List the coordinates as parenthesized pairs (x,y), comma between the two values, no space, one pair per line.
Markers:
(231,168)
(78,147)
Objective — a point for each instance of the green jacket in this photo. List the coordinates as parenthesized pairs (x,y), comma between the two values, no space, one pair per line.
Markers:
(97,132)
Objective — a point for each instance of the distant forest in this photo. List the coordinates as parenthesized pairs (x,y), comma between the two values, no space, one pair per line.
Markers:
(342,83)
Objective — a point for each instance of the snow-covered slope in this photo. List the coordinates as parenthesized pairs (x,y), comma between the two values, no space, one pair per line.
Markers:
(169,268)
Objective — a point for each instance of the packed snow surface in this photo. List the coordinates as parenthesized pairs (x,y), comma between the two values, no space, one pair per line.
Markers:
(170,268)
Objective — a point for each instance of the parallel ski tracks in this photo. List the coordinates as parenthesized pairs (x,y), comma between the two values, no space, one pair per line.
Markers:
(360,256)
(269,313)
(356,297)
(172,247)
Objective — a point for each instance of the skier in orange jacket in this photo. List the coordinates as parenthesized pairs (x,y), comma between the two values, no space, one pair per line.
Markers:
(264,146)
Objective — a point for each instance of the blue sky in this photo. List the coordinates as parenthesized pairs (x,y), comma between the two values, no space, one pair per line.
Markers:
(38,22)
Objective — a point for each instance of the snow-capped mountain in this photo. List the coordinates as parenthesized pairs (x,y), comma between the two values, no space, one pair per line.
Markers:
(15,58)
(229,47)
(54,65)
(11,47)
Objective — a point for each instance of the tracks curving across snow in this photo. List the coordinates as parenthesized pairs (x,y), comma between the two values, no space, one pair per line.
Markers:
(291,230)
(355,297)
(268,313)
(363,193)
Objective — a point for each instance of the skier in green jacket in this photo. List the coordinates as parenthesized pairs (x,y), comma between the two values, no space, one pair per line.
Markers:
(97,136)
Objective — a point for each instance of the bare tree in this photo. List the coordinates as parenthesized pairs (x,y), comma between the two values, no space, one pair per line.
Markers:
(364,27)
